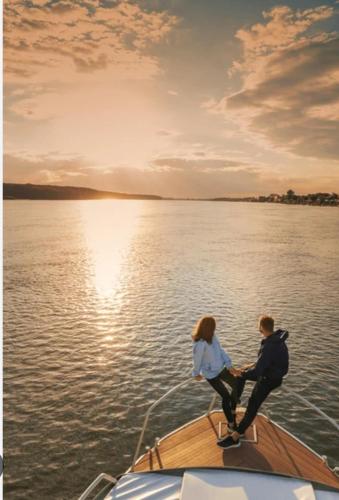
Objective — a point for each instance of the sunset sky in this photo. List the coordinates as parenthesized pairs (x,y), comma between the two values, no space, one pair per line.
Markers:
(186,98)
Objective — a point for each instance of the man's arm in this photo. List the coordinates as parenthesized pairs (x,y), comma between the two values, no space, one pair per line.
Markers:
(260,366)
(248,366)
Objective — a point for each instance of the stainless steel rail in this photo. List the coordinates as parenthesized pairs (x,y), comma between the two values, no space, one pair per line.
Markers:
(113,481)
(314,407)
(187,381)
(212,404)
(94,484)
(148,413)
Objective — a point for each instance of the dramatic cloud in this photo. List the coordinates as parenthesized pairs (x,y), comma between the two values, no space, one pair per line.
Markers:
(290,95)
(176,98)
(281,30)
(45,41)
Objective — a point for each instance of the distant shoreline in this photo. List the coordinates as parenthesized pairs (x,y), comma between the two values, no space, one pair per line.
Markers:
(41,192)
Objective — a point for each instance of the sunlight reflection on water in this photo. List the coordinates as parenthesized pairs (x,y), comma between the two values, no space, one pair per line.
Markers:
(108,233)
(100,301)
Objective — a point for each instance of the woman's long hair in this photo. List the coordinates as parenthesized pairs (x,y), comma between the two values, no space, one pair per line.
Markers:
(204,329)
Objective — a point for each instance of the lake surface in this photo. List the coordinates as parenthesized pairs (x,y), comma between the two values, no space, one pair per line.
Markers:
(100,299)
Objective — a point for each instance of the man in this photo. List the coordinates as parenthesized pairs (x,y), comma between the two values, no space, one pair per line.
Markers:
(267,372)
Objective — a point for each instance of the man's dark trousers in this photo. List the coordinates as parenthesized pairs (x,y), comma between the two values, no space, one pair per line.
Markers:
(260,392)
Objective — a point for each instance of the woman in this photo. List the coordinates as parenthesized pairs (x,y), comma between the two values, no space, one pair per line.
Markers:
(211,361)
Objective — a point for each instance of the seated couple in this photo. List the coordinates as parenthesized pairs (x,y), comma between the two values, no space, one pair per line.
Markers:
(211,362)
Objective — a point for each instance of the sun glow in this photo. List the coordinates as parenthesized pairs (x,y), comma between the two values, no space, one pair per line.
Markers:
(109,227)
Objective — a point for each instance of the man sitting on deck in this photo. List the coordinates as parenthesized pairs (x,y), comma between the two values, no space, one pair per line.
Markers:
(268,372)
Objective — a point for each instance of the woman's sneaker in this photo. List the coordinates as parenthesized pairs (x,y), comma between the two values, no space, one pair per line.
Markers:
(231,427)
(229,443)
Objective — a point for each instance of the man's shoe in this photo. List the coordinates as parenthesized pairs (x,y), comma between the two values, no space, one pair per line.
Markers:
(229,443)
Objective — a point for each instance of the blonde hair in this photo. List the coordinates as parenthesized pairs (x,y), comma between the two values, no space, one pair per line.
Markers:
(204,329)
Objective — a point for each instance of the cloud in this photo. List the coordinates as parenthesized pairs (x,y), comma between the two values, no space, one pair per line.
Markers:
(290,94)
(282,28)
(43,169)
(168,133)
(179,177)
(46,41)
(182,177)
(198,165)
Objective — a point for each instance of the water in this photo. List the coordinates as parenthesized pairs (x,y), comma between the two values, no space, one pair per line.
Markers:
(100,300)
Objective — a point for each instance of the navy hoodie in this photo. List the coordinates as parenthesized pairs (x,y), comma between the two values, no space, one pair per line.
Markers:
(272,358)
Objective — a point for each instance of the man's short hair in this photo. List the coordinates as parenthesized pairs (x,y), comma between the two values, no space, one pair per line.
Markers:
(267,323)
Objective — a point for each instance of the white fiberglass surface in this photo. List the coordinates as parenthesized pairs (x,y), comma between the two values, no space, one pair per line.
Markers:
(326,495)
(215,485)
(147,486)
(218,485)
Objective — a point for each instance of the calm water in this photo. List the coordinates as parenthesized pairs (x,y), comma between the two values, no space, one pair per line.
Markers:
(100,300)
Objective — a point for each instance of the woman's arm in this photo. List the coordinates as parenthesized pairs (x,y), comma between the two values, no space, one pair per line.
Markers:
(198,352)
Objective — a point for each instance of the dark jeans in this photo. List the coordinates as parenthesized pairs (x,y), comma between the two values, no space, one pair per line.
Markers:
(260,392)
(229,402)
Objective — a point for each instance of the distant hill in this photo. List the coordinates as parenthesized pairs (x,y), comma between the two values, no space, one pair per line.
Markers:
(47,192)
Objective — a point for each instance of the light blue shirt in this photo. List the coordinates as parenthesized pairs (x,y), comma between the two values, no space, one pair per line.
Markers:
(209,359)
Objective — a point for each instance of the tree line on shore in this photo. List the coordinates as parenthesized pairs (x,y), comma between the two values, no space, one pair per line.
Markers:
(12,191)
(302,199)
(291,198)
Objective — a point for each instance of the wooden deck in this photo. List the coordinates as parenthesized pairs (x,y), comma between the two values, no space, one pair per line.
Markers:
(194,445)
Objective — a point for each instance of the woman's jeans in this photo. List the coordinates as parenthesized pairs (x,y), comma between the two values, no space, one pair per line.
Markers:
(229,401)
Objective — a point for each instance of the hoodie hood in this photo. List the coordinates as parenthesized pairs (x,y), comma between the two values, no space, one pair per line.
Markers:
(272,360)
(278,336)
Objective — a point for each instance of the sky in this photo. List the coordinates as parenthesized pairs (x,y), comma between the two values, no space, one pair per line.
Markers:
(181,98)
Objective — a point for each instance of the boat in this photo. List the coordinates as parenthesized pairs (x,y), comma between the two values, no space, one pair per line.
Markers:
(187,464)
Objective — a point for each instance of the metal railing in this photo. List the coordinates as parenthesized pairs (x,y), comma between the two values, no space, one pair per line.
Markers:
(113,481)
(313,407)
(210,408)
(148,413)
(102,477)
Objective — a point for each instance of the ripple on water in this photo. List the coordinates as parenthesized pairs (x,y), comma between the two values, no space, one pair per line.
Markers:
(98,316)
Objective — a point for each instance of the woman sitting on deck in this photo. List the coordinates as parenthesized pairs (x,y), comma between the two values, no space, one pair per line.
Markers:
(211,362)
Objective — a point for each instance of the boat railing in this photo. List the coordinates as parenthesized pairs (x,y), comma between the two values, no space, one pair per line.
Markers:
(210,408)
(109,480)
(148,413)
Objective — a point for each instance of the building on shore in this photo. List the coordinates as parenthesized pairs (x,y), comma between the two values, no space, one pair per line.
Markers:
(291,198)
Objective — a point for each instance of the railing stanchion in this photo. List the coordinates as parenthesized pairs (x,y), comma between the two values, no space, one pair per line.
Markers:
(137,451)
(211,406)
